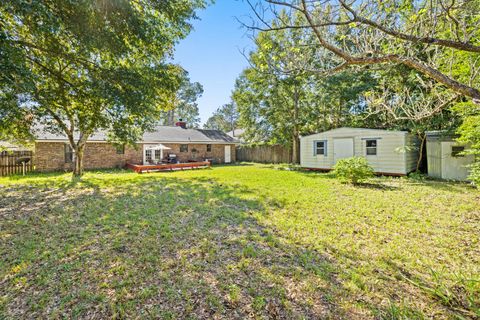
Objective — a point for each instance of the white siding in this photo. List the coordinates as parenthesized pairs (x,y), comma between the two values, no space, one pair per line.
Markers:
(442,165)
(454,168)
(434,158)
(391,154)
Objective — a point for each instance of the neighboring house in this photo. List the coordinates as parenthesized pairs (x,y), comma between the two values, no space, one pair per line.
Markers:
(237,134)
(445,157)
(52,152)
(388,152)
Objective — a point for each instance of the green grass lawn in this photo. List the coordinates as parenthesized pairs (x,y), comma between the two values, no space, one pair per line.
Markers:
(247,241)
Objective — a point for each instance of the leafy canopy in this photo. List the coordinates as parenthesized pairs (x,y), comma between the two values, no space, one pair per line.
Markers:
(81,66)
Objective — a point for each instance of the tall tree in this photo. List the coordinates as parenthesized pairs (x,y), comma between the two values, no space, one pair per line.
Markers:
(280,86)
(76,67)
(224,118)
(280,99)
(184,103)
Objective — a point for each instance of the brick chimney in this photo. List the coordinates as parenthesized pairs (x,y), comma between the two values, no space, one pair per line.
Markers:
(181,123)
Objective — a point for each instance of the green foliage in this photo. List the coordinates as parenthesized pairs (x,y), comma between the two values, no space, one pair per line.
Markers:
(469,132)
(353,170)
(417,176)
(279,99)
(475,174)
(184,105)
(76,67)
(224,118)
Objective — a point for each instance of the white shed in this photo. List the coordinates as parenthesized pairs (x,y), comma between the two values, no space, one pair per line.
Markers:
(444,157)
(388,152)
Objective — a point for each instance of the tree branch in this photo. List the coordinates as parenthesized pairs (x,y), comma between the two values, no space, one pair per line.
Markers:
(464,46)
(388,58)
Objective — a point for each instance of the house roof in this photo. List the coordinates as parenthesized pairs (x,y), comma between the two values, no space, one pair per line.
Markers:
(165,134)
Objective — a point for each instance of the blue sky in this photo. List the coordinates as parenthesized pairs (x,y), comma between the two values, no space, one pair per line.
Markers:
(212,52)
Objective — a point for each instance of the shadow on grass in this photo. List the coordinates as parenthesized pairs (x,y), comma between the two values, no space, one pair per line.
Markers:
(156,246)
(153,247)
(443,185)
(376,186)
(316,174)
(383,182)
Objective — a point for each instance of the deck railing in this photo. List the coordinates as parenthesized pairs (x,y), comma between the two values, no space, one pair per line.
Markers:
(168,167)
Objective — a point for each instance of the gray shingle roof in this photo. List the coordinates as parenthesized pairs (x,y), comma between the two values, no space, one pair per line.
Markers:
(160,134)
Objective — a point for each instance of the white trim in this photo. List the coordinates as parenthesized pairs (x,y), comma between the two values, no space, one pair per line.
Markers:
(153,153)
(228,154)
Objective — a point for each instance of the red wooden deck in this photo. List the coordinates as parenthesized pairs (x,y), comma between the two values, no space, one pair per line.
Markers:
(140,168)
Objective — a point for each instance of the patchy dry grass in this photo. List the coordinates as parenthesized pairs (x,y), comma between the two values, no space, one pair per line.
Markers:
(237,242)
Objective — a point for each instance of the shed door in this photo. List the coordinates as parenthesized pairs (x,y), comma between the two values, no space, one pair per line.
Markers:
(228,154)
(342,148)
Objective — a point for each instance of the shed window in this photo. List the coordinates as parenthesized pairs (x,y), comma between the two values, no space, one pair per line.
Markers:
(320,148)
(371,147)
(120,149)
(68,154)
(184,148)
(457,151)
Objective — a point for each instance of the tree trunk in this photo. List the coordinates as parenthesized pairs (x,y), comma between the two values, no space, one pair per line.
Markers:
(170,117)
(296,149)
(78,161)
(422,145)
(295,136)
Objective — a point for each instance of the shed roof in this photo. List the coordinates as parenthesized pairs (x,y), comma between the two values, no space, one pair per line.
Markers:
(346,129)
(165,134)
(441,135)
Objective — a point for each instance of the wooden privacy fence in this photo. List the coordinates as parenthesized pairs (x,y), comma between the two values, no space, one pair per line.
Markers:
(15,162)
(264,154)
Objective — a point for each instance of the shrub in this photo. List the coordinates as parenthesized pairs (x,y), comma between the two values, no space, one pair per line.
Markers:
(353,170)
(417,175)
(475,174)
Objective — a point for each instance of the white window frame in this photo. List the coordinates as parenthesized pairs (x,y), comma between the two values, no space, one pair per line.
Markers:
(371,148)
(148,155)
(316,148)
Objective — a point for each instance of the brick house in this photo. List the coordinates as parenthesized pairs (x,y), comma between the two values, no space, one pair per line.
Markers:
(53,153)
